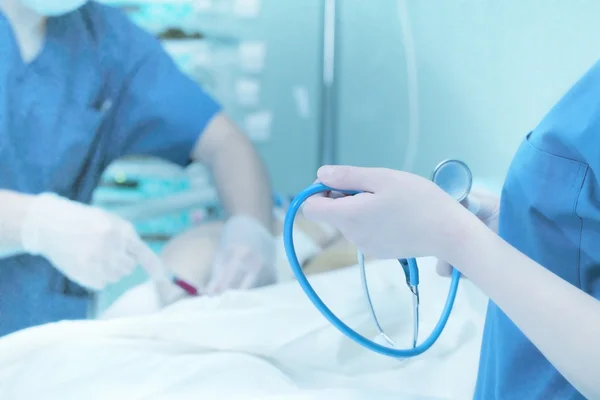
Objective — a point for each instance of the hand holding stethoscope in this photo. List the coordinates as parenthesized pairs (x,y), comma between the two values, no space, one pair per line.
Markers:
(390,215)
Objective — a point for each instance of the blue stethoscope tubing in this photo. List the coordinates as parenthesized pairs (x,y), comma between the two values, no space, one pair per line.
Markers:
(288,241)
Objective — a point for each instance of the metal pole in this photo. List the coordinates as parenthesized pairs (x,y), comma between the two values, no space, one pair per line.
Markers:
(328,127)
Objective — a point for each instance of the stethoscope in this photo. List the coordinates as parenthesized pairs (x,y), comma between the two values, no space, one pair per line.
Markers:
(452,176)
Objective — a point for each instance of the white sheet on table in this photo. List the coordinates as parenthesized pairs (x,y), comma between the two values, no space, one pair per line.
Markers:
(262,344)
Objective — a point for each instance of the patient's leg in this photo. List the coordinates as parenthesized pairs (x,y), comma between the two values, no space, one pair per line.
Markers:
(321,237)
(338,254)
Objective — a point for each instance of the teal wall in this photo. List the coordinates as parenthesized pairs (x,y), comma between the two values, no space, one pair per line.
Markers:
(487,72)
(292,32)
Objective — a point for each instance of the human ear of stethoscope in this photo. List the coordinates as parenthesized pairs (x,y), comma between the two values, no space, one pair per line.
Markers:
(456,179)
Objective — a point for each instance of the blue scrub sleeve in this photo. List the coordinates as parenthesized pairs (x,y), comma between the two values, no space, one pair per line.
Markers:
(161,111)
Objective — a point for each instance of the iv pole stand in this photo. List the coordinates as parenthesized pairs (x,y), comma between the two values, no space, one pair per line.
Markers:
(328,125)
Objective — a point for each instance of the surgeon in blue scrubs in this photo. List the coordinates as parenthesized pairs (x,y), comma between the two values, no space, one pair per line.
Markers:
(535,251)
(80,86)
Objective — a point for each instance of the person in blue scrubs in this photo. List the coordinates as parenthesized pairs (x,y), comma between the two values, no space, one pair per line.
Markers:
(81,86)
(535,251)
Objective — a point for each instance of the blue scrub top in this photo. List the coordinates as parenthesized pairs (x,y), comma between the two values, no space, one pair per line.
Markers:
(550,211)
(100,89)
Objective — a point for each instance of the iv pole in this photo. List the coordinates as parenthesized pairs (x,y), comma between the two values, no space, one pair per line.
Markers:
(328,134)
(328,126)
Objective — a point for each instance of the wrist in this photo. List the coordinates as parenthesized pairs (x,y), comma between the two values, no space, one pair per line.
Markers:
(464,239)
(248,222)
(31,233)
(246,230)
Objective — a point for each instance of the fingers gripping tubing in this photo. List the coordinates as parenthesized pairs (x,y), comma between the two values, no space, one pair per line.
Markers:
(327,313)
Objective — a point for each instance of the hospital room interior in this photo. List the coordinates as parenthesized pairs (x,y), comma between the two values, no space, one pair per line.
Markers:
(398,84)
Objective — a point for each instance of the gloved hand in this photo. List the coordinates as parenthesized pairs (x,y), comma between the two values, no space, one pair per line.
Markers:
(88,245)
(486,207)
(399,215)
(245,258)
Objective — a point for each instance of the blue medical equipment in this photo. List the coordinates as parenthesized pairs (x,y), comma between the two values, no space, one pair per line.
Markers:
(452,176)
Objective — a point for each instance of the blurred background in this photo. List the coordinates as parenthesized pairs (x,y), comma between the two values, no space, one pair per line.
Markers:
(392,83)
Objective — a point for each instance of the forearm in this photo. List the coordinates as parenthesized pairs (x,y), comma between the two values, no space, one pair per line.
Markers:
(562,321)
(239,174)
(12,214)
(242,181)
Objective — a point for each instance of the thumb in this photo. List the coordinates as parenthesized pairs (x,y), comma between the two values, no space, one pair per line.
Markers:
(344,177)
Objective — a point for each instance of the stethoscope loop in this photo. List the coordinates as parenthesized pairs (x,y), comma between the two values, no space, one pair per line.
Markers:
(409,266)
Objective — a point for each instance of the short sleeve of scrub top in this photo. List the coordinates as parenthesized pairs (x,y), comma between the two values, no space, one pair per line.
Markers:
(159,110)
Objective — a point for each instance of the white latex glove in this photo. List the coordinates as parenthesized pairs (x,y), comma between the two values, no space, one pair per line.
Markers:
(245,258)
(486,207)
(400,215)
(88,245)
